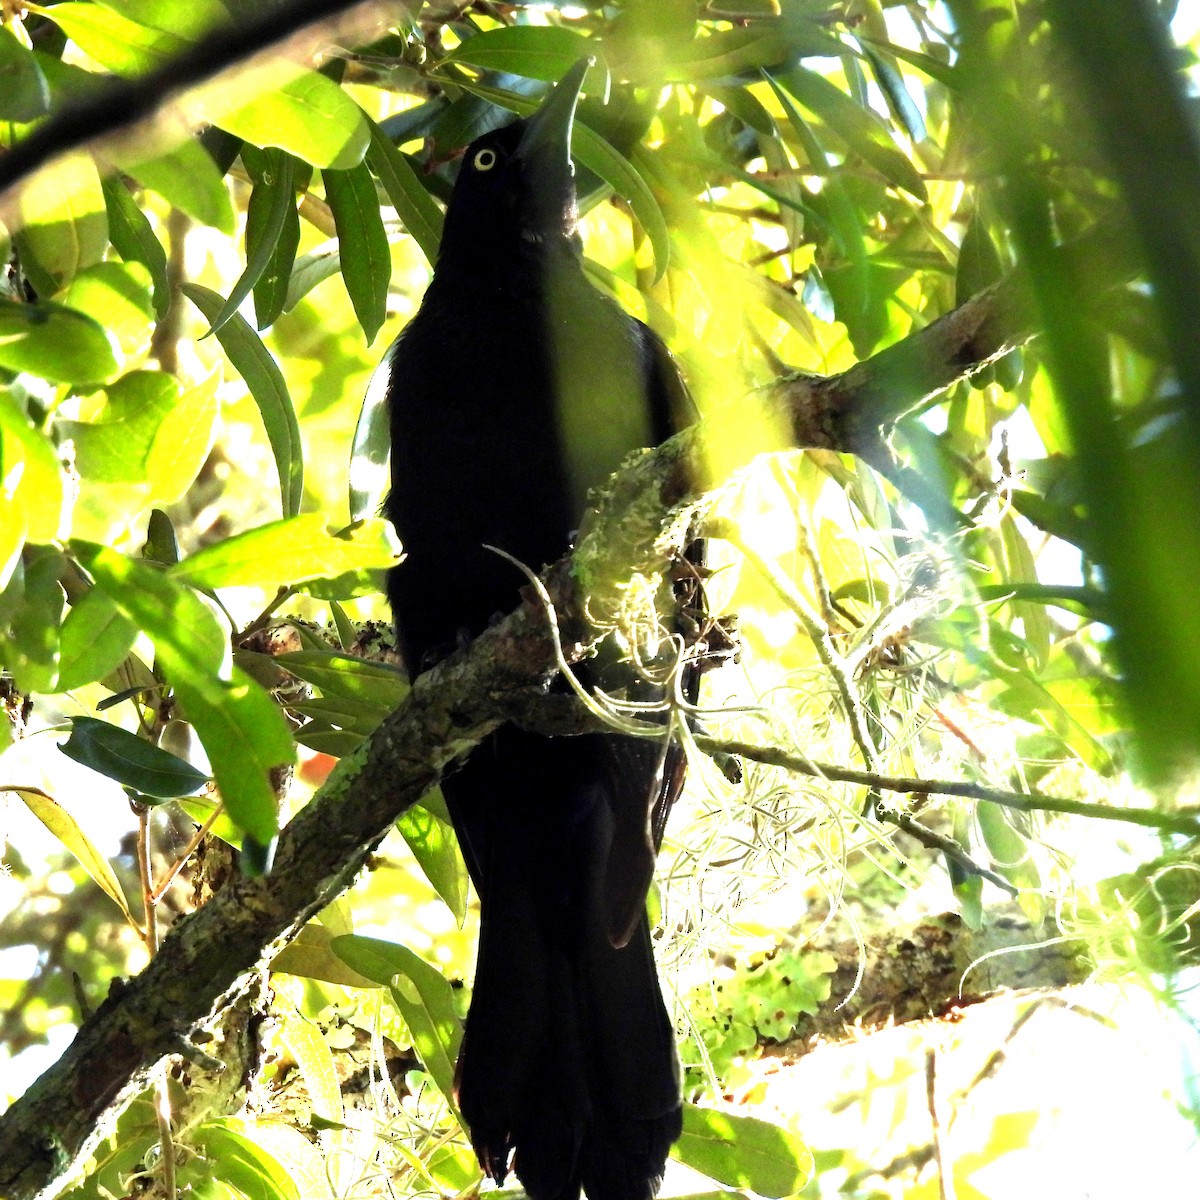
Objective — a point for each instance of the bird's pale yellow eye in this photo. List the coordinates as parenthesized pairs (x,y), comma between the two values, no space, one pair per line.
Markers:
(484,160)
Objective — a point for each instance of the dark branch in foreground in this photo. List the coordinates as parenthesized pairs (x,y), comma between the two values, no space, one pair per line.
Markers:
(113,103)
(643,520)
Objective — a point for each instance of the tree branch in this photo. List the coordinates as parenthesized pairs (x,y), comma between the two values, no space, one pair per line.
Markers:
(930,969)
(1182,822)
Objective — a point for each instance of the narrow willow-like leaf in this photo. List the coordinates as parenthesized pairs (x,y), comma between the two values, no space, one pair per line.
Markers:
(891,83)
(861,129)
(365,258)
(273,285)
(135,240)
(68,831)
(290,551)
(254,363)
(416,208)
(271,200)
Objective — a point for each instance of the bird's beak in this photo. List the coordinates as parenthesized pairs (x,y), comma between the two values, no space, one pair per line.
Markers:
(547,133)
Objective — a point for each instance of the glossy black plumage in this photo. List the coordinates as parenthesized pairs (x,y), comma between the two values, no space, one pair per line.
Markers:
(515,389)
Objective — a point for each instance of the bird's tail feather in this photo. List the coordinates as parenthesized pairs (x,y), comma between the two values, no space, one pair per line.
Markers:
(568,1064)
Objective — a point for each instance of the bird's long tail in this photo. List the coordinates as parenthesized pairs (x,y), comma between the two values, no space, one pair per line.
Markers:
(568,1070)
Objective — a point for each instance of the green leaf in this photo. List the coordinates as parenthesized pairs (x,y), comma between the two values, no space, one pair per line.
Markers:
(357,717)
(188,21)
(322,737)
(366,259)
(861,129)
(13,531)
(132,761)
(728,52)
(626,179)
(162,546)
(243,732)
(733,9)
(535,51)
(225,1153)
(273,198)
(117,297)
(31,469)
(32,652)
(421,993)
(377,684)
(290,551)
(94,642)
(188,179)
(416,208)
(315,1059)
(121,45)
(891,83)
(271,289)
(183,441)
(436,849)
(743,1152)
(978,261)
(1020,568)
(263,377)
(310,955)
(24,94)
(371,446)
(943,72)
(116,447)
(64,827)
(64,222)
(1012,855)
(296,110)
(135,241)
(309,270)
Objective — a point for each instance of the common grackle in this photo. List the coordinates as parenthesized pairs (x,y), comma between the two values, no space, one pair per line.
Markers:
(515,388)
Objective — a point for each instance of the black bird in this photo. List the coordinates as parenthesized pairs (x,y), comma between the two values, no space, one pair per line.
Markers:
(516,388)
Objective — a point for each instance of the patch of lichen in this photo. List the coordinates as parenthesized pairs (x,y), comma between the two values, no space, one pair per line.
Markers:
(630,539)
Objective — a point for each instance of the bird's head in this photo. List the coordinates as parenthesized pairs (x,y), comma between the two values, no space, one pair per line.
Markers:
(518,180)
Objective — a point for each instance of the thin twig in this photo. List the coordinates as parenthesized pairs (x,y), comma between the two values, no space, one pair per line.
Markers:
(162,1095)
(947,846)
(774,756)
(159,892)
(945,1180)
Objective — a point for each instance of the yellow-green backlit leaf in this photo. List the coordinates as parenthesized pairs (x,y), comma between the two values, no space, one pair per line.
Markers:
(67,830)
(290,551)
